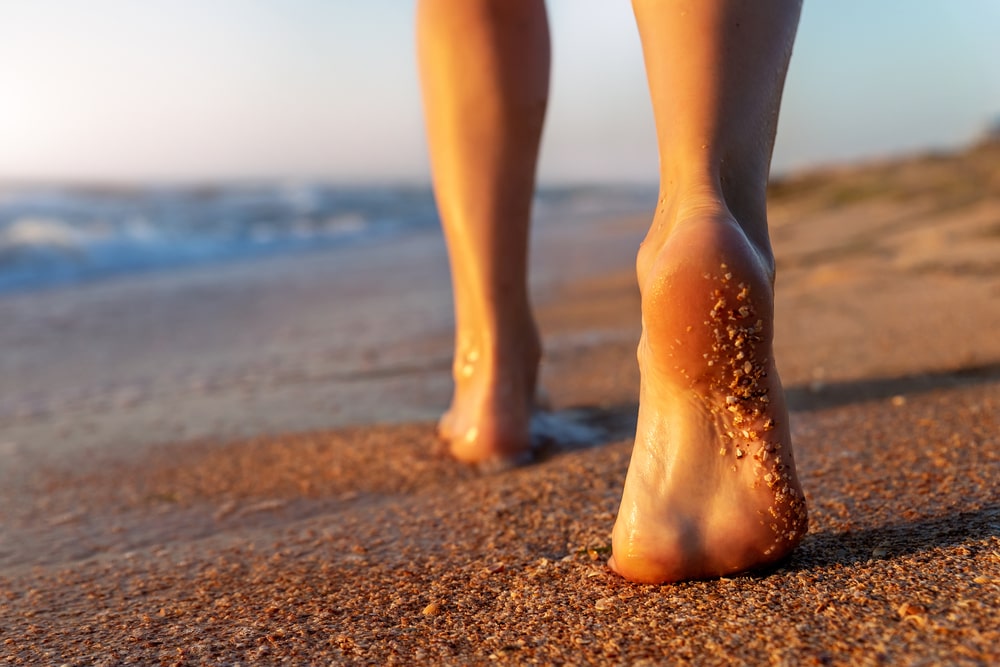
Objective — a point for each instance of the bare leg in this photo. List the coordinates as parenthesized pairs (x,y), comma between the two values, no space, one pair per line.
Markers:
(484,68)
(711,487)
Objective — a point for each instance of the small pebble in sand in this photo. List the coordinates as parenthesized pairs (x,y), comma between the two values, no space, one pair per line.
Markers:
(912,613)
(898,401)
(604,603)
(433,609)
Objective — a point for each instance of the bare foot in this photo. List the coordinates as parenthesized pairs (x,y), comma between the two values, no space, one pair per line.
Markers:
(711,488)
(489,418)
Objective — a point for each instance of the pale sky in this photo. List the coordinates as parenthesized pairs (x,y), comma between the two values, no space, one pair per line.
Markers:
(118,90)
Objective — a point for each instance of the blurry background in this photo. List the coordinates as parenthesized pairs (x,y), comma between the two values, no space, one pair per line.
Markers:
(301,95)
(233,89)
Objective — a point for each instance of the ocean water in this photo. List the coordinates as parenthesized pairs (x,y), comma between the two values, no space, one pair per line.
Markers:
(52,236)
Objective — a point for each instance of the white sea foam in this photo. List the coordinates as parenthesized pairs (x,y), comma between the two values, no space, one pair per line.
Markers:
(60,235)
(39,232)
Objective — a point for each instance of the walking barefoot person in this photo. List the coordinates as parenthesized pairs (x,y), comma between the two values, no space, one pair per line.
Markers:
(711,488)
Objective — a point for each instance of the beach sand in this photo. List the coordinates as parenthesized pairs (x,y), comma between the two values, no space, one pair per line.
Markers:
(237,465)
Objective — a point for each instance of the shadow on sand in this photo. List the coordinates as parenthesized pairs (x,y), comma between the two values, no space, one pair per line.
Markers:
(836,394)
(618,422)
(856,547)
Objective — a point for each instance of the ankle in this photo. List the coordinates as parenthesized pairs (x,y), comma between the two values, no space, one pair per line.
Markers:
(703,201)
(507,348)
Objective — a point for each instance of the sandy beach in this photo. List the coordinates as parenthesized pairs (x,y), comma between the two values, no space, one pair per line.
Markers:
(237,464)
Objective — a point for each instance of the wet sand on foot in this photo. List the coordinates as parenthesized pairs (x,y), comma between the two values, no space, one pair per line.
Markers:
(237,465)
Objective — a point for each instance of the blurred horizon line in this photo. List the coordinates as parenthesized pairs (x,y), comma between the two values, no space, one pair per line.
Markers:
(990,132)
